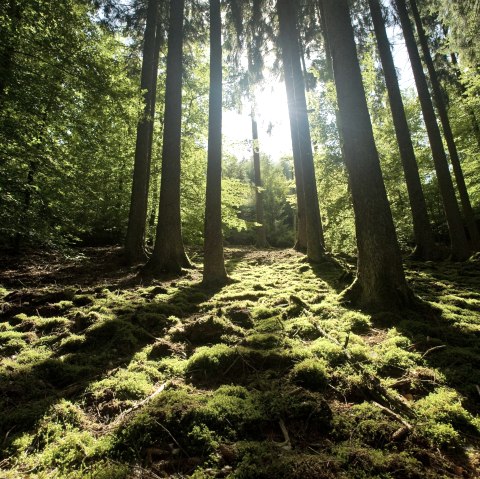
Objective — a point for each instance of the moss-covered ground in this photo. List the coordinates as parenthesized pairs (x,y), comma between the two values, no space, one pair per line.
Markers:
(105,375)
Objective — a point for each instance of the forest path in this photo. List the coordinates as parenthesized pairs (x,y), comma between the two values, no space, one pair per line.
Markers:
(269,376)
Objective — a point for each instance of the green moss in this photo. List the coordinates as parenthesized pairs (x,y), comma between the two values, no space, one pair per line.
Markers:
(444,417)
(328,350)
(263,341)
(311,374)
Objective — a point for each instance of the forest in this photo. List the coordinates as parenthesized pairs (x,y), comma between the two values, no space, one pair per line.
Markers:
(239,239)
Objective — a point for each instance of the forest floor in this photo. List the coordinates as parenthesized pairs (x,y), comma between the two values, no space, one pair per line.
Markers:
(106,376)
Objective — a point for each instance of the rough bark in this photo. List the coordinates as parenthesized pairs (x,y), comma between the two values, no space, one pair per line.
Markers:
(328,62)
(169,253)
(214,265)
(424,239)
(459,244)
(447,130)
(134,242)
(261,233)
(380,281)
(289,39)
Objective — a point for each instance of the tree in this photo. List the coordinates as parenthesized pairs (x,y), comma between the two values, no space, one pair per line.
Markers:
(169,253)
(447,129)
(458,239)
(380,281)
(425,244)
(134,241)
(261,232)
(289,39)
(214,265)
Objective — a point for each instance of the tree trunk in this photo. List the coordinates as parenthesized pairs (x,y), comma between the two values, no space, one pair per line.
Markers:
(260,216)
(328,62)
(169,253)
(447,130)
(291,54)
(301,239)
(134,242)
(459,243)
(380,282)
(152,108)
(214,265)
(425,244)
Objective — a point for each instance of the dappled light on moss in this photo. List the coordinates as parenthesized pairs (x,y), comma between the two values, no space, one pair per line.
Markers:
(269,376)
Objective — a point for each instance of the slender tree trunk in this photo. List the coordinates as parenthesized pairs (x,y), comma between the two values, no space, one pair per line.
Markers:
(380,281)
(153,103)
(291,52)
(447,130)
(425,244)
(27,200)
(134,242)
(459,243)
(169,253)
(260,215)
(214,265)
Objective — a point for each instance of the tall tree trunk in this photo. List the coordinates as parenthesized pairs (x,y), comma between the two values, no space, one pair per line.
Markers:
(301,239)
(134,242)
(169,253)
(259,209)
(328,62)
(380,281)
(459,243)
(425,244)
(291,53)
(152,107)
(447,130)
(214,265)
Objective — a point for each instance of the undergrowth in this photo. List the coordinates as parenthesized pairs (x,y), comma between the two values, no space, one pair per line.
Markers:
(268,377)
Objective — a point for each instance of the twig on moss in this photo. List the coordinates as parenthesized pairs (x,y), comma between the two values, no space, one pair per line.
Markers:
(431,350)
(138,405)
(394,415)
(373,384)
(287,444)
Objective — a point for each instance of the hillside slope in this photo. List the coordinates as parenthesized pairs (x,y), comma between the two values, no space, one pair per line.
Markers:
(106,375)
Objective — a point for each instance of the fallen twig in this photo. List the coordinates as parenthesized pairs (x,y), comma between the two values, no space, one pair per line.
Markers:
(431,350)
(373,384)
(287,444)
(138,405)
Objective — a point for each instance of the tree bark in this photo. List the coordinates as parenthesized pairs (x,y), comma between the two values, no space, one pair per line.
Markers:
(134,242)
(301,239)
(259,209)
(214,265)
(289,39)
(169,253)
(459,244)
(424,239)
(447,130)
(380,282)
